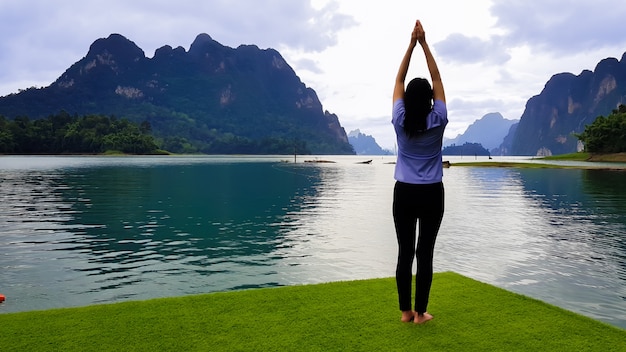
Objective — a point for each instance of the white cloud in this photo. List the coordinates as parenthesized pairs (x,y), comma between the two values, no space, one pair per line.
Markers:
(562,26)
(461,49)
(43,38)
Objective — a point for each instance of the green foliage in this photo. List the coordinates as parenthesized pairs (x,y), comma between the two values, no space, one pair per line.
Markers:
(466,149)
(606,134)
(63,133)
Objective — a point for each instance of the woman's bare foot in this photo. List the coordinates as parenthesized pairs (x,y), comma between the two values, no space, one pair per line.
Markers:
(407,316)
(422,318)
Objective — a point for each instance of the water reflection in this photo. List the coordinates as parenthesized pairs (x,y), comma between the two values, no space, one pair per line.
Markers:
(209,222)
(90,230)
(109,233)
(484,222)
(344,229)
(586,233)
(545,233)
(607,194)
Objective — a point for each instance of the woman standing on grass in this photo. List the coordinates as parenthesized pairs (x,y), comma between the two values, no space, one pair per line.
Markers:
(419,118)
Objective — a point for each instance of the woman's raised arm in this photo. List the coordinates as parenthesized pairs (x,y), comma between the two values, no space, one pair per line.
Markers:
(435,76)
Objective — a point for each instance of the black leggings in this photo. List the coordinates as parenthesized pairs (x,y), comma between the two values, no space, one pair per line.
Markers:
(413,202)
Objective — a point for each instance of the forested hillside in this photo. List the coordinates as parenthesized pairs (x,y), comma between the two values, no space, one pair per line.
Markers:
(211,99)
(66,134)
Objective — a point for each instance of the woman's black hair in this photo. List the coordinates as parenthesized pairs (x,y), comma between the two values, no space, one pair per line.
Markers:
(418,99)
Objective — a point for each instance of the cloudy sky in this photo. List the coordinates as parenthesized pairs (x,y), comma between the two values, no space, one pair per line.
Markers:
(493,54)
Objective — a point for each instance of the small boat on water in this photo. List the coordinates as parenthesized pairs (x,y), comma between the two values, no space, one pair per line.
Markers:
(365,162)
(319,161)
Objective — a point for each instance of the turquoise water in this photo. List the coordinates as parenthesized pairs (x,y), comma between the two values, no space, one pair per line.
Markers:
(83,230)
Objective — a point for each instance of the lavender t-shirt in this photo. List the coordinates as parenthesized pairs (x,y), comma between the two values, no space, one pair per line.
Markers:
(419,158)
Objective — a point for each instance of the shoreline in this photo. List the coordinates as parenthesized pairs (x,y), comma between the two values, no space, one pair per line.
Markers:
(530,165)
(590,157)
(617,158)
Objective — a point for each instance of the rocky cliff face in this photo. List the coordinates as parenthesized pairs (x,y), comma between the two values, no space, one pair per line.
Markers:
(566,105)
(211,96)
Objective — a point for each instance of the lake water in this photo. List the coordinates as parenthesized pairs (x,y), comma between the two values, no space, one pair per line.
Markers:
(84,230)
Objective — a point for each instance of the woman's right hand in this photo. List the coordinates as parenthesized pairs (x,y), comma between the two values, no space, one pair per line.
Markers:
(418,35)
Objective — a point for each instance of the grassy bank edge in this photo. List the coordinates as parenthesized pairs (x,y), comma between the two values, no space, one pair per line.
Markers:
(352,315)
(593,157)
(617,158)
(514,164)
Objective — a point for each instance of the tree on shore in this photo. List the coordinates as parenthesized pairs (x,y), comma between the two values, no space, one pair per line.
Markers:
(466,149)
(606,134)
(66,134)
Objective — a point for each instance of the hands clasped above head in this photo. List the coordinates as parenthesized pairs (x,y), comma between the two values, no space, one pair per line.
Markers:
(418,35)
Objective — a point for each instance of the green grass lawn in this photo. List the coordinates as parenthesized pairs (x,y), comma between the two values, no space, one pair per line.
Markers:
(580,156)
(616,157)
(350,316)
(526,165)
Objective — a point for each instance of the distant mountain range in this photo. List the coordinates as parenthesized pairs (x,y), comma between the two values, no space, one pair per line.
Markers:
(489,131)
(210,99)
(216,99)
(365,145)
(564,107)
